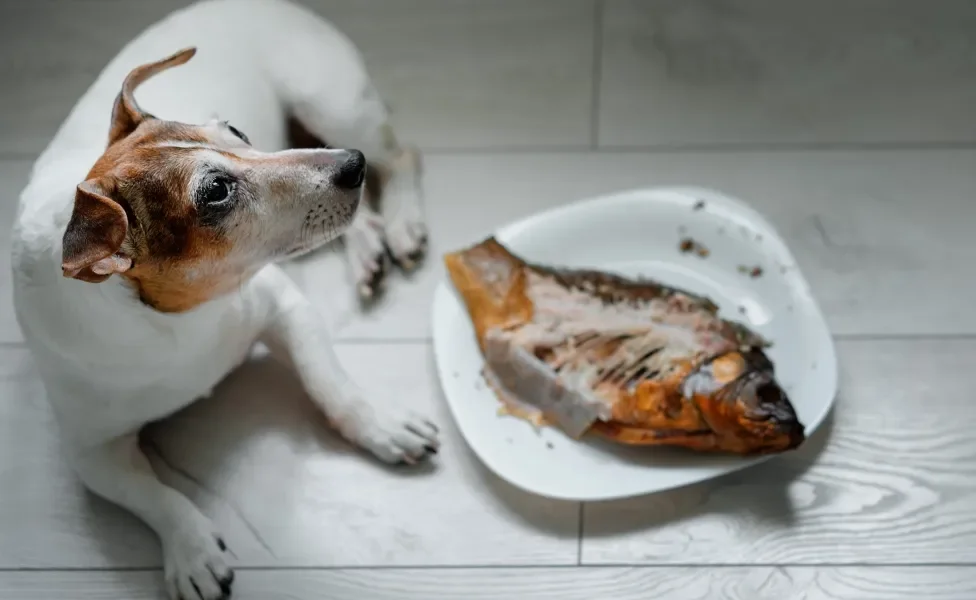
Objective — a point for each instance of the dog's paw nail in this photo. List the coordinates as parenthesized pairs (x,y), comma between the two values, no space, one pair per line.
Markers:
(430,449)
(226,583)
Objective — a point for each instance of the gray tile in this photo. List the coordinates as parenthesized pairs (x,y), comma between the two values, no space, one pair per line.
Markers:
(46,518)
(787,71)
(576,583)
(468,73)
(57,48)
(891,479)
(281,488)
(882,237)
(455,73)
(312,500)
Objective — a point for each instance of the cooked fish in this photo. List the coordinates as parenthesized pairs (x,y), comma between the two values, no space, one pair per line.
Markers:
(632,360)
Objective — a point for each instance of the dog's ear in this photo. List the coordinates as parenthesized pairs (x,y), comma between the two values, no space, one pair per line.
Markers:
(96,230)
(126,114)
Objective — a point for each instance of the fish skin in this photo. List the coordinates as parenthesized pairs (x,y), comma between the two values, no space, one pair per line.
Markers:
(655,366)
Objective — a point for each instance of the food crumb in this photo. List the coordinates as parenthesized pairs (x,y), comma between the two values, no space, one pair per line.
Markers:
(689,245)
(751,271)
(742,310)
(549,445)
(699,205)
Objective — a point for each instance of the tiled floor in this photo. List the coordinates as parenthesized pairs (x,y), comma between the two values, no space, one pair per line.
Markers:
(852,125)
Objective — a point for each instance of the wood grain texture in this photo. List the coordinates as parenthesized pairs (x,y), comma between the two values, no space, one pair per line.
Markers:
(438,64)
(46,518)
(282,489)
(882,237)
(787,71)
(890,479)
(574,583)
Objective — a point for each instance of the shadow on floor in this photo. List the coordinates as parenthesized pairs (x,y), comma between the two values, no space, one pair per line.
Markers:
(757,493)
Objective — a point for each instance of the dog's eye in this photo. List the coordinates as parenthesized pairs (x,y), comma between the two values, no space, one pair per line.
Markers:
(216,190)
(239,134)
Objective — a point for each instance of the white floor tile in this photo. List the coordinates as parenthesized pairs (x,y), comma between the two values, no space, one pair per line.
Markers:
(312,500)
(56,48)
(46,518)
(468,73)
(892,480)
(575,583)
(284,490)
(787,71)
(882,236)
(455,73)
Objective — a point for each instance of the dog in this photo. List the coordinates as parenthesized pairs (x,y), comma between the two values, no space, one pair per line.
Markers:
(147,242)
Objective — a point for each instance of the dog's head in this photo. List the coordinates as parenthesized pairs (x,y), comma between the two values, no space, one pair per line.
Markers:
(188,212)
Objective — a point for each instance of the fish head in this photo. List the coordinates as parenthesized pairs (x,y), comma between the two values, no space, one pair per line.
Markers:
(739,397)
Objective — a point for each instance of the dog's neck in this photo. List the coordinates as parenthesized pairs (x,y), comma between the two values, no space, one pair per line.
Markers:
(169,291)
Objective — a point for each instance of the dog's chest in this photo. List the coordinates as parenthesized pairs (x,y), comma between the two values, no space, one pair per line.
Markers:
(154,367)
(197,353)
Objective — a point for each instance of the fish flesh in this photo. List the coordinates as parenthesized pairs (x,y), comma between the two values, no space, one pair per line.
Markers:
(631,360)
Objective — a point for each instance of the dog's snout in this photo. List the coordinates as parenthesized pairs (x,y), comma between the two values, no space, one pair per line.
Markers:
(351,170)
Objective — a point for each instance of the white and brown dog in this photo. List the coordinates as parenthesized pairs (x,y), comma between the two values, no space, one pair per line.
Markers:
(146,242)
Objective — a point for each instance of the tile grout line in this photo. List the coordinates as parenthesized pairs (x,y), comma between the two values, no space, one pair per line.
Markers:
(579,539)
(722,148)
(558,566)
(597,74)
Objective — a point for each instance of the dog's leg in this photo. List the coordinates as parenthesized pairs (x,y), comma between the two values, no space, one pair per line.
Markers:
(300,337)
(193,553)
(365,251)
(363,122)
(402,205)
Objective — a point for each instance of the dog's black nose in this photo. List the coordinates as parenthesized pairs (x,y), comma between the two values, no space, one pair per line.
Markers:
(352,171)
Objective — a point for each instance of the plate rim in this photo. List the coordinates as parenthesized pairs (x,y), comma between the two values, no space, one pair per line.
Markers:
(730,205)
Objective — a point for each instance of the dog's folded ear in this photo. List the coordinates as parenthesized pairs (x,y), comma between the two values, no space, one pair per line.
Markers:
(126,114)
(94,236)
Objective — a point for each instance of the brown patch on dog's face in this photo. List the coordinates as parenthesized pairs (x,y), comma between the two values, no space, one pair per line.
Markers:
(199,210)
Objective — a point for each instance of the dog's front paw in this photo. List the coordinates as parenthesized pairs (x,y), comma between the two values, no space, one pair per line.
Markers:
(366,253)
(397,437)
(406,237)
(195,568)
(406,233)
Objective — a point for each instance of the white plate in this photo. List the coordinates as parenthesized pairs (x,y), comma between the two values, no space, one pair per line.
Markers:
(638,233)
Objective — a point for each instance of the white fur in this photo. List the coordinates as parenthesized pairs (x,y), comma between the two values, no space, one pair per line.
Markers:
(109,363)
